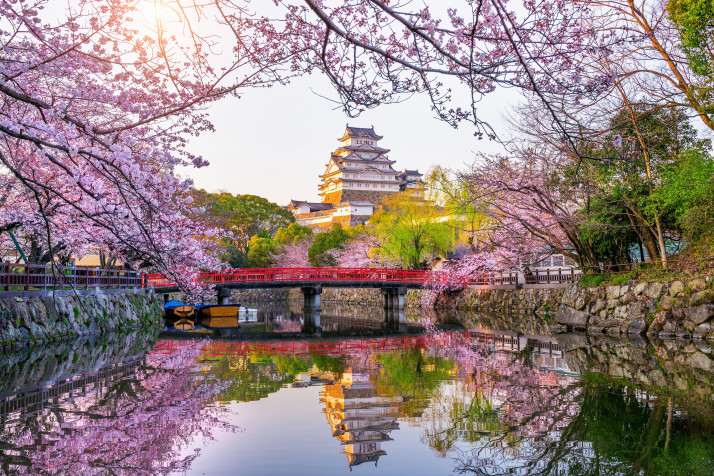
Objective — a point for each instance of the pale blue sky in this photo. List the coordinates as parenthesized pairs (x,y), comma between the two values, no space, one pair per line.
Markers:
(275,142)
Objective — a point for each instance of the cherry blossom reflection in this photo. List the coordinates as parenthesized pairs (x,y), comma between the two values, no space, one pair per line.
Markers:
(139,424)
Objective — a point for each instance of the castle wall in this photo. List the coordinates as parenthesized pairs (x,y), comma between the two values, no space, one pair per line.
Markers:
(373,196)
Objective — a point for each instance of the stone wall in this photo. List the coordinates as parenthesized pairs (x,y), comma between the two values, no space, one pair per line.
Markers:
(677,365)
(346,195)
(663,309)
(364,296)
(50,362)
(37,320)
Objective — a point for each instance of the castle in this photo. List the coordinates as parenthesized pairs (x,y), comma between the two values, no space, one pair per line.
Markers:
(358,176)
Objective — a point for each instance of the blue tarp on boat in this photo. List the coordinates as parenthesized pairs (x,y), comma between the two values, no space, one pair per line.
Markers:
(173,305)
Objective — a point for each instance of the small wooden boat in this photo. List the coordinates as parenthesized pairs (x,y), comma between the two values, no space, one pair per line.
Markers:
(175,311)
(184,324)
(219,322)
(219,316)
(218,310)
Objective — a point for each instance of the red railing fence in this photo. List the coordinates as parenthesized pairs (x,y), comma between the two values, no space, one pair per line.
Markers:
(30,277)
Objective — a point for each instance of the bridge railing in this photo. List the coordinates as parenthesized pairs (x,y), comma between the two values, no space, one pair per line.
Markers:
(28,277)
(551,276)
(495,279)
(302,274)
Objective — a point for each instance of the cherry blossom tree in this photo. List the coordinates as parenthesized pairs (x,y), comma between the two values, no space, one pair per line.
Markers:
(375,52)
(96,108)
(140,425)
(292,255)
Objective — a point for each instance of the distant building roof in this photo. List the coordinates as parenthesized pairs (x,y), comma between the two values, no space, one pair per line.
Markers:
(359,132)
(358,203)
(317,206)
(314,206)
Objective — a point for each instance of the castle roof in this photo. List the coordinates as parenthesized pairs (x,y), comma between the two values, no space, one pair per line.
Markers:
(362,148)
(314,206)
(359,132)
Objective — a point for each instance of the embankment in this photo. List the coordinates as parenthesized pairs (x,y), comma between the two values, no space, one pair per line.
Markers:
(682,309)
(35,320)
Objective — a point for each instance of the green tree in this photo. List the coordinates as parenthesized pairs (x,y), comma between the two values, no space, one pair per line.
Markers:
(646,143)
(244,216)
(412,230)
(695,21)
(687,194)
(455,196)
(292,234)
(320,253)
(259,252)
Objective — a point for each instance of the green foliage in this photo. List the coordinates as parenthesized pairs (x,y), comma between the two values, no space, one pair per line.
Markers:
(695,21)
(319,254)
(620,279)
(245,216)
(413,375)
(259,251)
(411,231)
(647,441)
(607,230)
(590,280)
(291,234)
(687,193)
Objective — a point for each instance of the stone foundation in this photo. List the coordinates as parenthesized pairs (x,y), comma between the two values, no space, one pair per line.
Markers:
(662,309)
(35,320)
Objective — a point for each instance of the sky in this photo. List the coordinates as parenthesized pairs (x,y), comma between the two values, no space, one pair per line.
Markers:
(275,142)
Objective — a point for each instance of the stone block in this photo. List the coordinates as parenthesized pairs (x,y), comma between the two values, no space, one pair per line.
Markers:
(639,288)
(675,288)
(613,292)
(654,290)
(699,297)
(697,284)
(666,302)
(637,327)
(699,314)
(702,330)
(668,329)
(700,361)
(571,317)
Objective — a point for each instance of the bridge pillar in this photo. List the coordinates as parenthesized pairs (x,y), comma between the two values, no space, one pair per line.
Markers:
(311,321)
(223,295)
(394,298)
(311,309)
(167,298)
(395,321)
(311,297)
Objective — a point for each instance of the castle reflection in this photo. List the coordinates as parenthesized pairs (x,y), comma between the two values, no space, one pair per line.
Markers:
(360,418)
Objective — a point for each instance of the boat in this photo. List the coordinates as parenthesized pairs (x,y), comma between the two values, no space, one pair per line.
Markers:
(248,315)
(176,312)
(185,324)
(218,310)
(219,316)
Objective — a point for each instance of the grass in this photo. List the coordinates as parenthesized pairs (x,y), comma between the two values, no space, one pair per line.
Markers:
(590,280)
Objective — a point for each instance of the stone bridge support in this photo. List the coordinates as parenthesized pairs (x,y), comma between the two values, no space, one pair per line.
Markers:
(394,298)
(223,295)
(311,309)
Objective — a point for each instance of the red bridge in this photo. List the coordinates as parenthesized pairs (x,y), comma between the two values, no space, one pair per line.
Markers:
(327,277)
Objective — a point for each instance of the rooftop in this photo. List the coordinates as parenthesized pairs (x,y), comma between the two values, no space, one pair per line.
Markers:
(351,131)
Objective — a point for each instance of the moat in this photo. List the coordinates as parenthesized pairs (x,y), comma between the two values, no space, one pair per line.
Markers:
(506,396)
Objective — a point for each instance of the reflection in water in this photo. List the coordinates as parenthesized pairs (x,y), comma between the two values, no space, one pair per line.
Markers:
(479,402)
(132,416)
(360,417)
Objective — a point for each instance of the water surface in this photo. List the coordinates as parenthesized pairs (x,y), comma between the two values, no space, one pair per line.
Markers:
(389,402)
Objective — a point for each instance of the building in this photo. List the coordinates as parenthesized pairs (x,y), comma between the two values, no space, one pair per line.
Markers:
(357,178)
(360,418)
